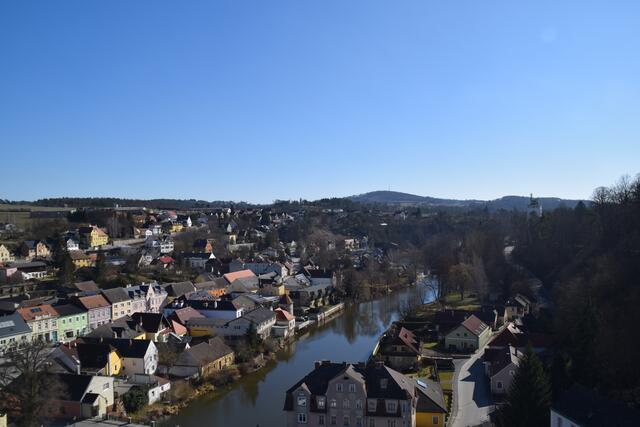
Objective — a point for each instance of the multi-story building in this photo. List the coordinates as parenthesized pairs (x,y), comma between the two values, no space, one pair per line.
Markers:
(98,309)
(73,322)
(93,236)
(43,321)
(358,395)
(31,249)
(156,296)
(14,332)
(5,254)
(120,301)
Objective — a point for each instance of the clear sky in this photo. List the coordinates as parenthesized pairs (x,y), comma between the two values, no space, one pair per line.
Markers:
(258,100)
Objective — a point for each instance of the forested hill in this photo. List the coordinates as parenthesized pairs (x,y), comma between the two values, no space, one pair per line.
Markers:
(106,202)
(507,202)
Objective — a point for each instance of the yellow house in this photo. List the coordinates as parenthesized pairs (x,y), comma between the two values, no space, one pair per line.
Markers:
(98,358)
(80,259)
(176,227)
(431,410)
(94,236)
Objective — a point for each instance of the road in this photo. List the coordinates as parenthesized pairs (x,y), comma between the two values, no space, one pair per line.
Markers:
(473,402)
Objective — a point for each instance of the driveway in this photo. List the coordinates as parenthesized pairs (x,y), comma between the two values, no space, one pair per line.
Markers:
(472,403)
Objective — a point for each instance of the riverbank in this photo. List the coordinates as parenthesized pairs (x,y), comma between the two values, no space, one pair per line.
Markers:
(257,398)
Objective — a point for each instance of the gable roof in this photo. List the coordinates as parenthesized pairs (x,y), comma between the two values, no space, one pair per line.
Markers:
(74,386)
(283,315)
(69,310)
(259,315)
(430,396)
(204,353)
(129,348)
(182,315)
(116,295)
(93,301)
(89,285)
(474,325)
(178,289)
(151,322)
(231,277)
(93,355)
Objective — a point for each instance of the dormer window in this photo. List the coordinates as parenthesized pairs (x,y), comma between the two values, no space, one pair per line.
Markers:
(383,383)
(302,400)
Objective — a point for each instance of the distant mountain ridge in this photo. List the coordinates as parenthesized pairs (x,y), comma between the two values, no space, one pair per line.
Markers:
(506,202)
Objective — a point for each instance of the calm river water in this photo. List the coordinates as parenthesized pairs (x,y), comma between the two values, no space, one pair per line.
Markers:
(257,400)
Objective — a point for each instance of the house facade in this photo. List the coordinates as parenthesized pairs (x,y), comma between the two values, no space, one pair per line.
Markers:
(352,395)
(5,254)
(85,396)
(14,332)
(43,321)
(120,302)
(98,309)
(72,322)
(471,335)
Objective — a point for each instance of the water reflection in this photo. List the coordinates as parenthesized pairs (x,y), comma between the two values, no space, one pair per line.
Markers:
(258,399)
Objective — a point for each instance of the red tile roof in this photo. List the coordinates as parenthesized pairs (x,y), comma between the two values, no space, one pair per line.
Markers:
(35,313)
(474,325)
(231,277)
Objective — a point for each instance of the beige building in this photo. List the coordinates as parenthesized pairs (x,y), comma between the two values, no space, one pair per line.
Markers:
(5,254)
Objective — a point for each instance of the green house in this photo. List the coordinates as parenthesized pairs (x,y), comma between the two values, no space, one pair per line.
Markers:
(72,323)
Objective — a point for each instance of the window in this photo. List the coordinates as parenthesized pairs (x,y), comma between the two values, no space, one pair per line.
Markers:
(404,407)
(372,404)
(358,404)
(391,423)
(302,400)
(333,403)
(383,383)
(334,420)
(346,404)
(392,406)
(359,421)
(346,421)
(499,385)
(321,401)
(302,418)
(512,373)
(372,422)
(339,387)
(321,419)
(105,386)
(352,388)
(434,420)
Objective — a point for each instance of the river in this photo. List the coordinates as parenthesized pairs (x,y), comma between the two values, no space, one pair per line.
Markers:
(257,399)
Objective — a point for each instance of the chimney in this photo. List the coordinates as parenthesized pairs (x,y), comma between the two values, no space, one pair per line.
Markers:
(317,364)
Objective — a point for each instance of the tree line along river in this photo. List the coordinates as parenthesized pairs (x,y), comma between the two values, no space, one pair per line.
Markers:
(258,398)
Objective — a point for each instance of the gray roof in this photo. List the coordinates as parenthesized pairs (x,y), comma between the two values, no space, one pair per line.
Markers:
(13,324)
(69,310)
(116,295)
(259,315)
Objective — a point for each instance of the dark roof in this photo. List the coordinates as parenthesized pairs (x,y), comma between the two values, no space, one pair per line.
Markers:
(430,398)
(182,315)
(116,295)
(151,322)
(126,347)
(259,315)
(68,310)
(89,285)
(589,409)
(74,386)
(204,353)
(123,327)
(381,382)
(178,289)
(93,355)
(13,324)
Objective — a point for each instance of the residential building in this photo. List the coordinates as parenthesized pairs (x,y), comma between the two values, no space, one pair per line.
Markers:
(93,236)
(31,249)
(85,396)
(5,254)
(80,259)
(214,309)
(154,325)
(203,245)
(352,395)
(285,323)
(120,301)
(14,332)
(400,349)
(471,335)
(73,322)
(500,365)
(517,307)
(137,356)
(155,295)
(98,309)
(203,359)
(98,358)
(71,243)
(261,319)
(178,289)
(138,297)
(43,321)
(431,410)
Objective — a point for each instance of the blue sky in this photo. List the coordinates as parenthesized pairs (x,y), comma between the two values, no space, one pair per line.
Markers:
(258,100)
